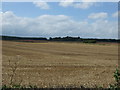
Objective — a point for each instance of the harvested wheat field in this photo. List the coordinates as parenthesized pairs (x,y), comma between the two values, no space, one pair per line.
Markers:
(58,64)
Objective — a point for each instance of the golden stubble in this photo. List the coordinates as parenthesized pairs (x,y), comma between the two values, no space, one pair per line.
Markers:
(57,64)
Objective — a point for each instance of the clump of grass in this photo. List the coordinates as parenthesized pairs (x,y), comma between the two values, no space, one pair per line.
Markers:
(13,66)
(117,79)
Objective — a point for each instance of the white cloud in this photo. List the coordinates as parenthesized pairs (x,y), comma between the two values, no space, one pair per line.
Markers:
(100,15)
(56,25)
(66,3)
(116,14)
(42,5)
(91,0)
(81,5)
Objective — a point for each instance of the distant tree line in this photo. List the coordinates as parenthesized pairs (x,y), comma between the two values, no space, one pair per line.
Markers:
(65,39)
(84,40)
(22,38)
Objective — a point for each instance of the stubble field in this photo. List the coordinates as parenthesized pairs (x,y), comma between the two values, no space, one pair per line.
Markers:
(58,64)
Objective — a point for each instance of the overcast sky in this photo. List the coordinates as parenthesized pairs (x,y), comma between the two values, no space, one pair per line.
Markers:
(51,19)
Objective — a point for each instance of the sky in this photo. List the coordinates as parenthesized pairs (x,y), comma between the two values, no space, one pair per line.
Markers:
(59,19)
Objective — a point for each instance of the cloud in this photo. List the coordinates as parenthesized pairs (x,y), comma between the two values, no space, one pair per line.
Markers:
(116,14)
(81,5)
(66,3)
(56,25)
(101,15)
(90,0)
(42,5)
